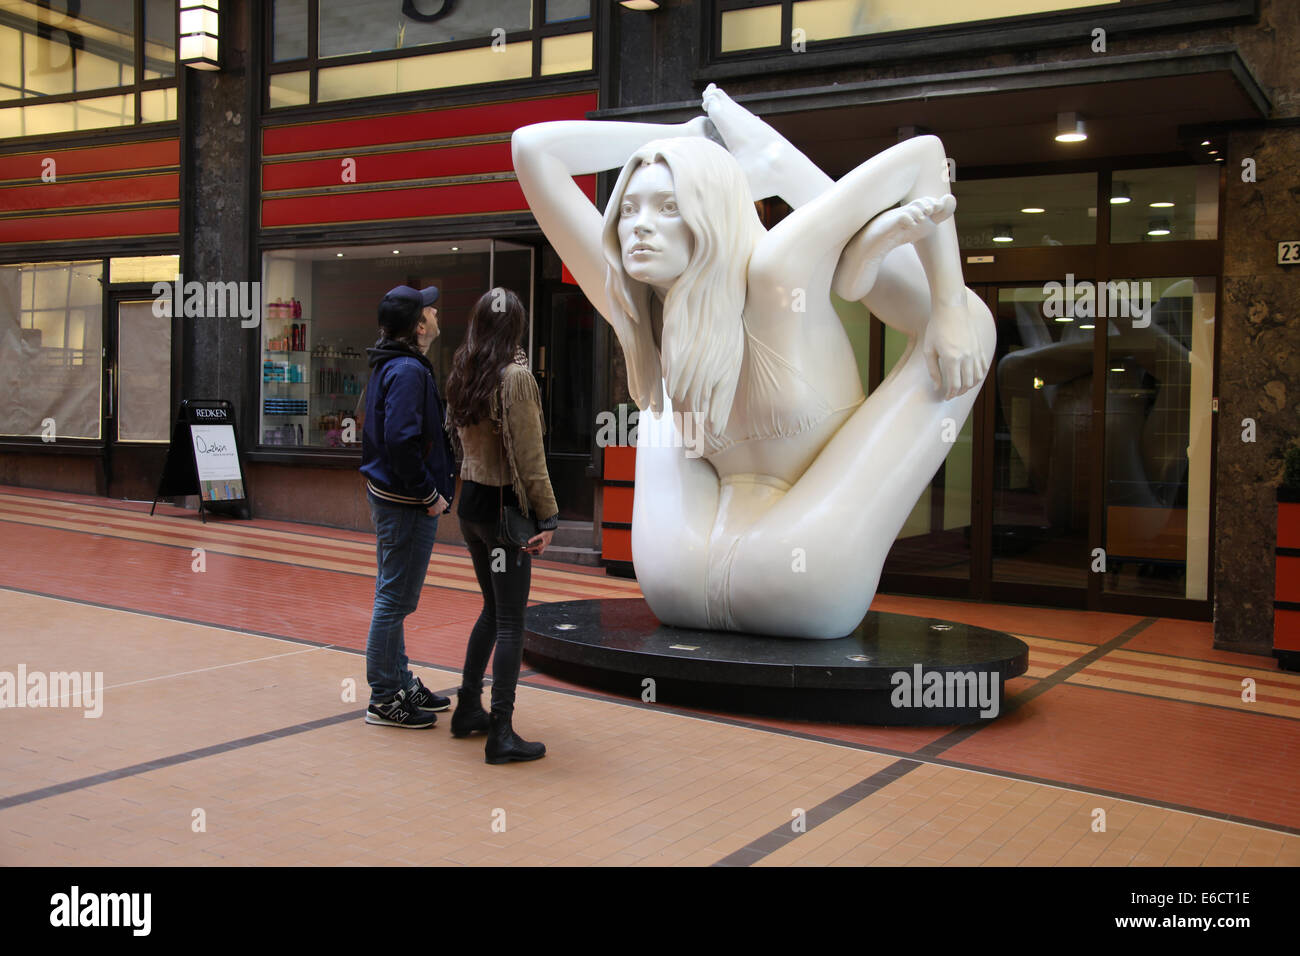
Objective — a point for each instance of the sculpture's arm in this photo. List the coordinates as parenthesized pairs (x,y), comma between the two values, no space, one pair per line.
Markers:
(546,158)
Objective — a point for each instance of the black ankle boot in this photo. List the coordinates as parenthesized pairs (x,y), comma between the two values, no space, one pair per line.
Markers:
(504,745)
(469,716)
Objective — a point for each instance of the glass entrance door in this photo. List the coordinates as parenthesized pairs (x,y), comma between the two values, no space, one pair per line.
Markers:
(137,396)
(1040,447)
(1082,477)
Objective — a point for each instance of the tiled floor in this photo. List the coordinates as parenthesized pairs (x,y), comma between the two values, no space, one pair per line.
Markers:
(231,729)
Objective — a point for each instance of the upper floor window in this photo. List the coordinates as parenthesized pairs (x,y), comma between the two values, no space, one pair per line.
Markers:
(362,48)
(92,64)
(754,25)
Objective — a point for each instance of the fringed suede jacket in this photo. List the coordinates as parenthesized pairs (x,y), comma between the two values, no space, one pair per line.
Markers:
(481,446)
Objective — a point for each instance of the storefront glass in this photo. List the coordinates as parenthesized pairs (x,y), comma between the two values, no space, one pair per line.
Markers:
(1159,375)
(369,26)
(1023,211)
(1163,205)
(51,330)
(320,310)
(1042,439)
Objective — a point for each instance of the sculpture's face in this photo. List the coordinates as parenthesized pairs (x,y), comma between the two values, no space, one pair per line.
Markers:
(656,242)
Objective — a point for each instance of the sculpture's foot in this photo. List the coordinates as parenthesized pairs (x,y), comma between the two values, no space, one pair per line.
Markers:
(860,261)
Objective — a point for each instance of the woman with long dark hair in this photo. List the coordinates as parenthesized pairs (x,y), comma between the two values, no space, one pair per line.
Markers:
(495,409)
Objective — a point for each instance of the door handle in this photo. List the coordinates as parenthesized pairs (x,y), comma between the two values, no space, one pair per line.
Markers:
(112,380)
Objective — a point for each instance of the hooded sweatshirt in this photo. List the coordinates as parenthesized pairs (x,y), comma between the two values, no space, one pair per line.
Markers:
(406,455)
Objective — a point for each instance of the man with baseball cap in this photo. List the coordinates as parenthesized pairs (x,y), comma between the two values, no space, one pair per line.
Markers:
(410,472)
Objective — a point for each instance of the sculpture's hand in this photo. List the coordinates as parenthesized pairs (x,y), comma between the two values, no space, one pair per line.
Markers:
(952,351)
(760,150)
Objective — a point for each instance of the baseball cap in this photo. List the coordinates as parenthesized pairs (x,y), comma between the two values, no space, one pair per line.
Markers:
(424,297)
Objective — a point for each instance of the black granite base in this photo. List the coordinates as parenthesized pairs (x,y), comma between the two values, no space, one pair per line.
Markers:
(894,669)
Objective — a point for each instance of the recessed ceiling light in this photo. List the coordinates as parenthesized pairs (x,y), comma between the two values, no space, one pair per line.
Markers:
(1205,142)
(396,252)
(1158,227)
(455,248)
(1117,370)
(1119,194)
(1033,209)
(1087,327)
(1069,128)
(339,254)
(1214,152)
(1065,318)
(1163,204)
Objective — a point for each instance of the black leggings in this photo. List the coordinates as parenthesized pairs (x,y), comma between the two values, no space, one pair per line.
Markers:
(504,576)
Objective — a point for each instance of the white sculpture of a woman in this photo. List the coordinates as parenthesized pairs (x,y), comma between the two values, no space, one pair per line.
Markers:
(782,527)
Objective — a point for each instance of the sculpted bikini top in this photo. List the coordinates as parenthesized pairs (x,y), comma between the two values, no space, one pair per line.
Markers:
(773,400)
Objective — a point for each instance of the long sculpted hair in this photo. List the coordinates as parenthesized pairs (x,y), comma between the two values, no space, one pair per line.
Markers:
(496,327)
(703,330)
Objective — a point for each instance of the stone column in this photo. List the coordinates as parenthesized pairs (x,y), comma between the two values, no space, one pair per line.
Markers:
(1259,380)
(216,205)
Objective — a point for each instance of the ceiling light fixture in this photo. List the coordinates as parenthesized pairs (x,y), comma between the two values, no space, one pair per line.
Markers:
(1119,194)
(1033,210)
(1002,234)
(1162,204)
(646,5)
(1158,227)
(199,33)
(1069,128)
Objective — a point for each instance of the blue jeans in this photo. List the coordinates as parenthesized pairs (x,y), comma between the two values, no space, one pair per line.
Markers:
(404,541)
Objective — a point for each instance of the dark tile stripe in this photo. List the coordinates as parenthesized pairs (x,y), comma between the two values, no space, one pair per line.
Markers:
(173,760)
(773,840)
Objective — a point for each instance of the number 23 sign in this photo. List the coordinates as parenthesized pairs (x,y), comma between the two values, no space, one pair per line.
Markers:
(1288,253)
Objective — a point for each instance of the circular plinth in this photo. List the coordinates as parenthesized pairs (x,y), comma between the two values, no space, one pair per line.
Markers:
(894,669)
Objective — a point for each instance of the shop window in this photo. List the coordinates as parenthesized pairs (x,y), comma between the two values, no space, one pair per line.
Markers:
(434,71)
(320,307)
(832,19)
(751,29)
(385,47)
(1159,377)
(372,26)
(143,269)
(290,89)
(566,54)
(561,11)
(289,30)
(50,349)
(78,54)
(1027,211)
(1162,205)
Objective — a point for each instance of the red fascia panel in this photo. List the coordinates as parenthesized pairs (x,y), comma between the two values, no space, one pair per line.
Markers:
(389,204)
(158,187)
(94,225)
(119,157)
(390,167)
(426,125)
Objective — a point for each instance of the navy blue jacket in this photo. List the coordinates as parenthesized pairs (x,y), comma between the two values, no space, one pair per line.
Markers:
(406,455)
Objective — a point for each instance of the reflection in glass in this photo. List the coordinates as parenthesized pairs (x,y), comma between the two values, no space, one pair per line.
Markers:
(1160,368)
(289,30)
(1168,204)
(1035,210)
(1042,441)
(371,26)
(751,29)
(935,540)
(50,348)
(455,68)
(558,11)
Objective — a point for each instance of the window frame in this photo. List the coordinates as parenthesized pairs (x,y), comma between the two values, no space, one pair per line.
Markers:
(1040,30)
(134,90)
(313,63)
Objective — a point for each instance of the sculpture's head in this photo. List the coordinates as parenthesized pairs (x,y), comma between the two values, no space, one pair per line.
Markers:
(681,223)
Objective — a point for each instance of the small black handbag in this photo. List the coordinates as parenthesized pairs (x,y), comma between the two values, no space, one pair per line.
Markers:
(513,528)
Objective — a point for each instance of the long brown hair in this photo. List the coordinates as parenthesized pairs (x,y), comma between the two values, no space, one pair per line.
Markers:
(496,328)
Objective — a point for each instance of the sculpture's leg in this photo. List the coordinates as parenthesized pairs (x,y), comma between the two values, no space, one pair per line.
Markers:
(673,511)
(809,567)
